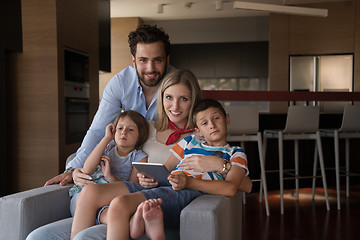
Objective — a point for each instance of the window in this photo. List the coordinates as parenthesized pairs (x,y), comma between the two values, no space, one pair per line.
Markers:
(255,84)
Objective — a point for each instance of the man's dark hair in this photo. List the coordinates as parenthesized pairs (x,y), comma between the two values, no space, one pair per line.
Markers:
(206,103)
(148,34)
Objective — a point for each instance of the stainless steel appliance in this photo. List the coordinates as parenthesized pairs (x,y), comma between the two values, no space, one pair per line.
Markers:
(76,111)
(76,95)
(323,73)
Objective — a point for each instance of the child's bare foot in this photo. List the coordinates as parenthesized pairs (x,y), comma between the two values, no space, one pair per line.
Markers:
(153,218)
(137,225)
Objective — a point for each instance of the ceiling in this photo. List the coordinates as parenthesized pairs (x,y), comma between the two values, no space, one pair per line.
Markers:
(190,9)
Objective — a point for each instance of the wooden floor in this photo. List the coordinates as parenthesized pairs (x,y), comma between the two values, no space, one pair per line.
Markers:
(303,219)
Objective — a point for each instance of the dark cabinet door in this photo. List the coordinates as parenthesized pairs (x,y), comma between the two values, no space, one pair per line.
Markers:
(223,60)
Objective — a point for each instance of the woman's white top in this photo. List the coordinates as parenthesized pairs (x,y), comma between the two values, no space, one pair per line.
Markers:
(157,152)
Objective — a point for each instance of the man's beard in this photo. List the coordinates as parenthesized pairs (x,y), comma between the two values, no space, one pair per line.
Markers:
(152,82)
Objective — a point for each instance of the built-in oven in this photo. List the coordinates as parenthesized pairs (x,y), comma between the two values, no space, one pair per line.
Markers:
(77,96)
(76,112)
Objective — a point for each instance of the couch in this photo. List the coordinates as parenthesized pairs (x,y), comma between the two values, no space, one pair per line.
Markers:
(206,217)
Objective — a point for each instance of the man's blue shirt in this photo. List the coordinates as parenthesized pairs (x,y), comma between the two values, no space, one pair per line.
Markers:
(122,91)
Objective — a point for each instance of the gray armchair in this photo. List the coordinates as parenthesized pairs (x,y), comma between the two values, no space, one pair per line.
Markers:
(206,217)
(23,212)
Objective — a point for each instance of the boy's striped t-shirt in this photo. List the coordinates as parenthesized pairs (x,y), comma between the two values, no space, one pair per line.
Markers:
(190,146)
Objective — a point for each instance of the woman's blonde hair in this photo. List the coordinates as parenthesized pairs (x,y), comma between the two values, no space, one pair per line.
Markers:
(179,76)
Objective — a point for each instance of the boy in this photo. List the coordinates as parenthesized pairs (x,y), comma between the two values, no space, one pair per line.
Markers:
(211,123)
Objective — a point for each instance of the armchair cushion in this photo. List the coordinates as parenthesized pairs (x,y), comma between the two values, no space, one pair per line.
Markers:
(25,211)
(206,217)
(212,217)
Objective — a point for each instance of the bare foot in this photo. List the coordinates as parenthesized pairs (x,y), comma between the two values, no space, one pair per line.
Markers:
(153,218)
(137,225)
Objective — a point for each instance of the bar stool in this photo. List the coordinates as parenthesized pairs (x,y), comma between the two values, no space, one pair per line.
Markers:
(244,127)
(350,129)
(302,123)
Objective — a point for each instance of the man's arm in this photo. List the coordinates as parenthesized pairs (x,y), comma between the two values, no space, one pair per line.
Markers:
(106,113)
(62,179)
(109,108)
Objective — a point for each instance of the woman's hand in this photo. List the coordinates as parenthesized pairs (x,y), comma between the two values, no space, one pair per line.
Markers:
(178,181)
(146,182)
(200,163)
(81,178)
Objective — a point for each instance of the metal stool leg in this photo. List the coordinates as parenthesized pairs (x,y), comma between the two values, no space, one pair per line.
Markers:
(296,151)
(263,174)
(347,148)
(264,158)
(281,172)
(337,167)
(242,144)
(314,171)
(321,157)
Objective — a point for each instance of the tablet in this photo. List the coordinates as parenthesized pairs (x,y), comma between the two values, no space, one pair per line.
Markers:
(157,171)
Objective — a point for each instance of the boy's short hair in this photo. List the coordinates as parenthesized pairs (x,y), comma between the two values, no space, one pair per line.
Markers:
(204,104)
(141,123)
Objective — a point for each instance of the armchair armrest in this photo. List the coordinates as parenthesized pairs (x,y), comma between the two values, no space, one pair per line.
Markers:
(212,217)
(23,212)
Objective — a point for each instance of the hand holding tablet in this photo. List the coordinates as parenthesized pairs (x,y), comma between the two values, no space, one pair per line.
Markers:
(157,171)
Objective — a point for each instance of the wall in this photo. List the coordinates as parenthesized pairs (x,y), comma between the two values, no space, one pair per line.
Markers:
(337,33)
(120,51)
(10,40)
(32,87)
(36,85)
(77,24)
(220,30)
(222,60)
(181,32)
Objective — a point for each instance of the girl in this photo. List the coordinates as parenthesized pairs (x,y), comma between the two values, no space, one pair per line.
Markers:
(111,159)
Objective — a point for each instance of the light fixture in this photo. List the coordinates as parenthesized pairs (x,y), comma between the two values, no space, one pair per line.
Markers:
(315,12)
(219,5)
(160,7)
(188,5)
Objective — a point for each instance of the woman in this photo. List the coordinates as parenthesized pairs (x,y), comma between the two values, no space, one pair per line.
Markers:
(178,93)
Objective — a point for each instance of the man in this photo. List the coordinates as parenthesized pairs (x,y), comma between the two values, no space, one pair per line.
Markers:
(134,88)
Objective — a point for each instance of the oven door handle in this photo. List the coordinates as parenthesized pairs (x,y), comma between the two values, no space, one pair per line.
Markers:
(78,100)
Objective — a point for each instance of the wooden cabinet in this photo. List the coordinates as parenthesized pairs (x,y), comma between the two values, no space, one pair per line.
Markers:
(222,60)
(120,51)
(10,40)
(255,59)
(36,85)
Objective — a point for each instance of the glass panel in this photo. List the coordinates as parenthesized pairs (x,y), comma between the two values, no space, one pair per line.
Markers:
(254,84)
(302,73)
(336,73)
(262,106)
